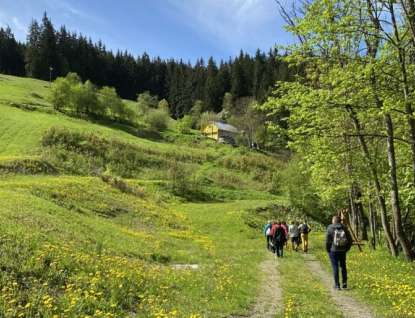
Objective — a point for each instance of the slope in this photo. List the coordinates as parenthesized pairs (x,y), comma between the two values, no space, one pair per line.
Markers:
(85,236)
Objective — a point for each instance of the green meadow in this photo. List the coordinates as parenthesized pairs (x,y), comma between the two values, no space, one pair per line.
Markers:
(101,219)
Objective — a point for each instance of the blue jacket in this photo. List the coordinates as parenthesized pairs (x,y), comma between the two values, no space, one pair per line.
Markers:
(330,246)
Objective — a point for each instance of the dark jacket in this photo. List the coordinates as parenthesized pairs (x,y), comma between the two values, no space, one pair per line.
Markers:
(330,247)
(279,235)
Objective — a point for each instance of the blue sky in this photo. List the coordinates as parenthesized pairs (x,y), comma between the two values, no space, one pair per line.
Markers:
(178,29)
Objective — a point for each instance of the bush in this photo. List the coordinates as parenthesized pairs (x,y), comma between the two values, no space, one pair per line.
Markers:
(185,124)
(156,120)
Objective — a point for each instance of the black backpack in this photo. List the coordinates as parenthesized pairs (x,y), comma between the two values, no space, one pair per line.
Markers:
(304,228)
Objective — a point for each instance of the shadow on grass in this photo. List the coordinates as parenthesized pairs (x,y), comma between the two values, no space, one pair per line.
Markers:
(121,125)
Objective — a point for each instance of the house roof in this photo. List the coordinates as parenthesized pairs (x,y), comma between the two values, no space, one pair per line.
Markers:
(224,127)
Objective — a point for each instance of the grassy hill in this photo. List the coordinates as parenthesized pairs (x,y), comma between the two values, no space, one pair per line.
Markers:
(98,221)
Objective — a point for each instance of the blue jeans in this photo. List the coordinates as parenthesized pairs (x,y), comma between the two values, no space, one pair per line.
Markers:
(338,259)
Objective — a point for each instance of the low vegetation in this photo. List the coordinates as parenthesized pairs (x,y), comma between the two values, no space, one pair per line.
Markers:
(100,222)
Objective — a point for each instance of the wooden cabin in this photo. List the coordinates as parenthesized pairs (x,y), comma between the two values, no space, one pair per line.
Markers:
(220,131)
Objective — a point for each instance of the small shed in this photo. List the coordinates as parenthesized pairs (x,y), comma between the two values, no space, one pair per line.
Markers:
(219,131)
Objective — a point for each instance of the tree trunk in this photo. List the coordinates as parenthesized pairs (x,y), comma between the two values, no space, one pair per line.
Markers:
(397,216)
(374,173)
(372,223)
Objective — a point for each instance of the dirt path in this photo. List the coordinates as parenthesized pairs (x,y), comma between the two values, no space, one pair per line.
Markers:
(269,301)
(269,305)
(345,303)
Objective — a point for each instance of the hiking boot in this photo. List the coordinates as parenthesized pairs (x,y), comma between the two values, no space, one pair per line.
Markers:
(344,285)
(336,287)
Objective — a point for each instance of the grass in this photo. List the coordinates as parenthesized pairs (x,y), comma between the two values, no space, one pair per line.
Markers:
(93,244)
(76,246)
(377,279)
(304,294)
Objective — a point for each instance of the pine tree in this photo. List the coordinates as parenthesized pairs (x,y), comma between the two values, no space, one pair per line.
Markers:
(32,54)
(211,96)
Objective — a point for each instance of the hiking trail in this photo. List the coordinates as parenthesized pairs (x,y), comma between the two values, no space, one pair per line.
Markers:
(269,300)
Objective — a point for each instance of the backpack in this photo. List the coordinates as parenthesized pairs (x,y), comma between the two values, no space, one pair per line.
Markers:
(304,228)
(268,229)
(340,238)
(279,235)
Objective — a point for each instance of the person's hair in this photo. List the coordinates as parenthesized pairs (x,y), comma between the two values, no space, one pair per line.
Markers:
(292,222)
(336,219)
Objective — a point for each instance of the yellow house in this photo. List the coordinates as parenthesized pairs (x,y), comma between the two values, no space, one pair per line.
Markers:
(220,131)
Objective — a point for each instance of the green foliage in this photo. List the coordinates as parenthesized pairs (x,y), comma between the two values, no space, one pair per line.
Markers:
(163,105)
(185,124)
(60,93)
(73,78)
(346,113)
(300,192)
(147,100)
(156,120)
(112,102)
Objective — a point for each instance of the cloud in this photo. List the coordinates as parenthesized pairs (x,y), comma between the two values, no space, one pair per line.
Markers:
(18,25)
(71,11)
(234,23)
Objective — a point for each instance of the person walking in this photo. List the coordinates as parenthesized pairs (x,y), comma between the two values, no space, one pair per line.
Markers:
(268,235)
(304,230)
(293,230)
(285,228)
(273,228)
(338,243)
(297,224)
(279,239)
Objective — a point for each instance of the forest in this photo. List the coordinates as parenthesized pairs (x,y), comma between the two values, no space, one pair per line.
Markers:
(50,53)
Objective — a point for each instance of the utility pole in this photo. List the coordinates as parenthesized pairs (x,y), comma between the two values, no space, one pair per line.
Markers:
(50,76)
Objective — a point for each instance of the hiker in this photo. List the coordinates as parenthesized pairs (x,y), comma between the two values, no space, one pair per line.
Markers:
(293,230)
(285,228)
(338,243)
(297,224)
(279,239)
(272,243)
(267,232)
(304,230)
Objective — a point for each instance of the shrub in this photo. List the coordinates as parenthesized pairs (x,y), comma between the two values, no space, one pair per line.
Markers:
(156,120)
(185,124)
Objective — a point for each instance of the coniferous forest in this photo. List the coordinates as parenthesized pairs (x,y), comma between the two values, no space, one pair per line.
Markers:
(50,53)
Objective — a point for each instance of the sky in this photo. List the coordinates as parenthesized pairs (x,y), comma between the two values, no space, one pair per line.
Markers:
(170,29)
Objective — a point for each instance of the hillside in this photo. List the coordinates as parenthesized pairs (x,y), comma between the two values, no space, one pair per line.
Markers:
(96,219)
(100,219)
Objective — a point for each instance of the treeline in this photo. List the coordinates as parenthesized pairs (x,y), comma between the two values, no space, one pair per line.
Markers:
(50,53)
